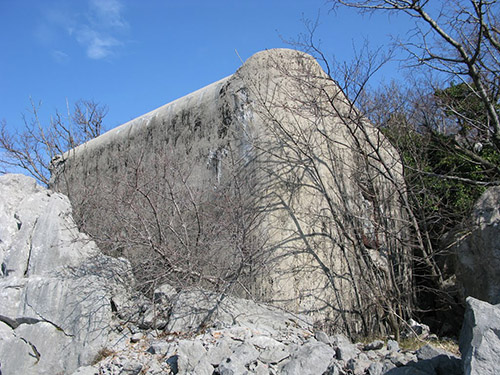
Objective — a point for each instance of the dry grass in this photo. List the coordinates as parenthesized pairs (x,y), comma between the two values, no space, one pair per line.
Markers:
(101,354)
(412,344)
(448,345)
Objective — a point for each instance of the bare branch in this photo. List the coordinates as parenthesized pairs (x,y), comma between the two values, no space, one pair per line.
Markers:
(36,145)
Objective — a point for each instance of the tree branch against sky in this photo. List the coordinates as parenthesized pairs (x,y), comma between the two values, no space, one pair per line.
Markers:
(33,148)
(456,37)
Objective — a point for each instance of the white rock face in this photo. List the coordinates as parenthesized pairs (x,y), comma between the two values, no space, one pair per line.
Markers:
(55,286)
(478,250)
(195,309)
(32,221)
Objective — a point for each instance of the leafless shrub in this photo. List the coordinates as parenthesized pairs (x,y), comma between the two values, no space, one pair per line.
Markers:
(172,228)
(33,148)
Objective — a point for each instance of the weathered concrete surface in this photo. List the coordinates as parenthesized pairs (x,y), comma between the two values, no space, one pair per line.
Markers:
(480,338)
(478,250)
(281,135)
(55,286)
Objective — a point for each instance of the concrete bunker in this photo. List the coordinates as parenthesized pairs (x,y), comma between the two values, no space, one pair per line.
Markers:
(267,184)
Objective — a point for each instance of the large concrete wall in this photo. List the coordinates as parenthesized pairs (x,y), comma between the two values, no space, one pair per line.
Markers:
(323,181)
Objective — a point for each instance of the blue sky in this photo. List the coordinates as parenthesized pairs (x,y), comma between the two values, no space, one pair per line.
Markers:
(136,55)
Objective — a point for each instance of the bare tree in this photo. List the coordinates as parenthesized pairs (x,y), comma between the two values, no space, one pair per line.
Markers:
(33,148)
(446,128)
(458,38)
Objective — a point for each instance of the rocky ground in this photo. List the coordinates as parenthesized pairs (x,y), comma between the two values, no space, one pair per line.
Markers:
(262,341)
(202,334)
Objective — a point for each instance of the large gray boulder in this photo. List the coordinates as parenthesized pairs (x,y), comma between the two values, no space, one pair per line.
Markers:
(480,338)
(55,285)
(312,358)
(195,310)
(478,250)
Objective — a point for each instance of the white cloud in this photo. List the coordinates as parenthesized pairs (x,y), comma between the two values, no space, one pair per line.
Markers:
(108,13)
(60,56)
(98,46)
(104,23)
(97,27)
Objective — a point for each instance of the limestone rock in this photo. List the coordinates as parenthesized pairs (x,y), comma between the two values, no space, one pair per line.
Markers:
(428,352)
(380,368)
(478,250)
(310,359)
(246,353)
(55,287)
(162,348)
(86,370)
(416,329)
(480,338)
(272,351)
(374,345)
(164,293)
(436,361)
(220,351)
(231,367)
(407,371)
(245,347)
(136,337)
(259,368)
(392,346)
(360,365)
(345,350)
(322,336)
(195,309)
(192,359)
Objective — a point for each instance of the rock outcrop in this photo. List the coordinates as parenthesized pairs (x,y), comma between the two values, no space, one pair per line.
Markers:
(243,337)
(270,176)
(477,250)
(480,338)
(55,286)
